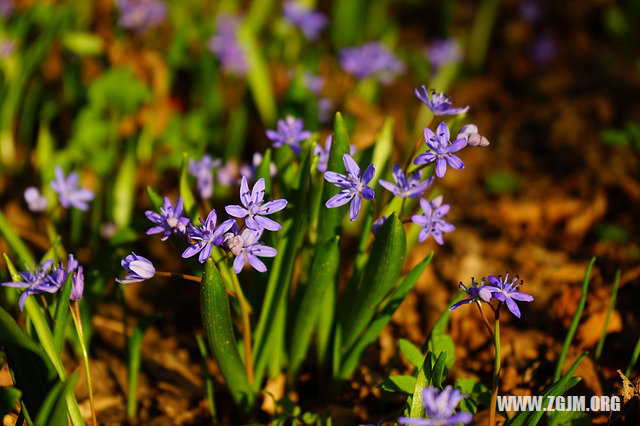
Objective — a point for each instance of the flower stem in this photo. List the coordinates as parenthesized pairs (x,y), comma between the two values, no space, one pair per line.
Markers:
(485,320)
(496,367)
(187,277)
(77,320)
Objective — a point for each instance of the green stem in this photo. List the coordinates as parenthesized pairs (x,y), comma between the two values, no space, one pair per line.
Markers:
(77,320)
(496,368)
(612,304)
(634,358)
(245,311)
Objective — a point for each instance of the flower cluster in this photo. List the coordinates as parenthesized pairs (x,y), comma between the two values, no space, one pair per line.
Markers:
(309,21)
(224,44)
(49,277)
(141,15)
(371,59)
(502,289)
(440,408)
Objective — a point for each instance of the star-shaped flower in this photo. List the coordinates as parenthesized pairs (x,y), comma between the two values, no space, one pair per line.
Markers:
(354,187)
(206,236)
(432,221)
(441,150)
(507,291)
(170,220)
(439,103)
(410,186)
(290,132)
(252,208)
(69,193)
(246,248)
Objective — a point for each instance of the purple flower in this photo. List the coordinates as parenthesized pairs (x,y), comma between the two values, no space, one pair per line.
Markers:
(474,292)
(141,15)
(543,49)
(530,11)
(253,209)
(249,170)
(35,200)
(309,21)
(69,194)
(313,82)
(290,132)
(138,269)
(77,284)
(207,236)
(410,186)
(439,103)
(470,134)
(224,44)
(443,52)
(325,107)
(432,221)
(202,171)
(441,150)
(246,248)
(440,407)
(371,59)
(353,186)
(507,291)
(6,8)
(170,220)
(34,282)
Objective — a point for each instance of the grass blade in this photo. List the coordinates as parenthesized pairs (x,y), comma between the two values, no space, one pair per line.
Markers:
(575,321)
(612,305)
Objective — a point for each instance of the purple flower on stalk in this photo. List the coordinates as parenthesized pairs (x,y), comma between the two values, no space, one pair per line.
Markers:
(35,200)
(141,15)
(77,284)
(325,107)
(138,269)
(442,150)
(313,82)
(224,44)
(432,221)
(440,407)
(252,208)
(246,248)
(406,186)
(202,171)
(34,282)
(470,134)
(206,236)
(354,187)
(443,52)
(439,103)
(507,291)
(69,193)
(309,21)
(371,59)
(170,220)
(474,292)
(290,132)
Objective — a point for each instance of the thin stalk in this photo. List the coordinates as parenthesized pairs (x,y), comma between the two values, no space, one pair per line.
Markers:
(77,320)
(634,359)
(187,277)
(496,368)
(485,320)
(612,304)
(245,310)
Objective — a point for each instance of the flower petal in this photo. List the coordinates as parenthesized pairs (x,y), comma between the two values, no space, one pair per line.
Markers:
(257,194)
(238,263)
(245,195)
(256,263)
(272,206)
(267,223)
(354,211)
(352,167)
(368,174)
(340,199)
(236,211)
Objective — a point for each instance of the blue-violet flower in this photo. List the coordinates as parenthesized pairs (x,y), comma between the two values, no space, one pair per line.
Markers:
(353,186)
(432,221)
(252,208)
(206,236)
(290,132)
(141,15)
(170,220)
(440,407)
(439,103)
(138,269)
(507,291)
(442,150)
(309,21)
(34,282)
(246,248)
(474,292)
(410,186)
(203,171)
(371,59)
(35,200)
(68,191)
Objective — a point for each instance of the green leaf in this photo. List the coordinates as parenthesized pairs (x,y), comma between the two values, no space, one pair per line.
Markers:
(15,242)
(154,198)
(53,410)
(322,276)
(351,360)
(383,148)
(329,219)
(411,352)
(185,191)
(61,316)
(258,76)
(133,364)
(83,43)
(477,394)
(612,304)
(575,321)
(573,418)
(438,370)
(264,171)
(399,383)
(124,190)
(566,382)
(9,398)
(423,379)
(216,318)
(379,277)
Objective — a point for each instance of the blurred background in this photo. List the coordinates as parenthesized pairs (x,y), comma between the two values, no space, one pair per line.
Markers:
(119,90)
